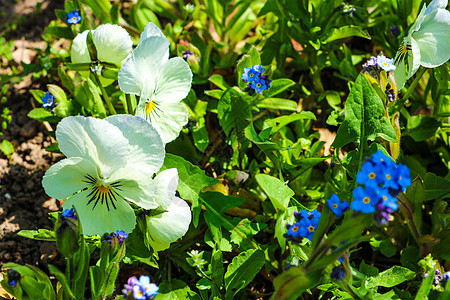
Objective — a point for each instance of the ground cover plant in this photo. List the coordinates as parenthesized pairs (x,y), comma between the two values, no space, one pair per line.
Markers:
(268,149)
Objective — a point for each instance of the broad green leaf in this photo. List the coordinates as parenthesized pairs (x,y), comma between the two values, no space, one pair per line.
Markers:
(425,288)
(242,270)
(365,117)
(100,8)
(278,192)
(435,187)
(216,204)
(283,218)
(7,148)
(387,248)
(61,279)
(218,80)
(347,31)
(389,278)
(292,283)
(217,269)
(41,234)
(250,59)
(61,32)
(42,114)
(416,196)
(233,111)
(60,95)
(280,122)
(191,180)
(440,250)
(65,79)
(421,128)
(175,289)
(277,103)
(38,94)
(200,135)
(410,258)
(278,86)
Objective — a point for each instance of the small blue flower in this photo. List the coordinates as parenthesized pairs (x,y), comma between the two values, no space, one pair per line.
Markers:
(364,200)
(144,289)
(293,230)
(336,205)
(386,175)
(368,175)
(249,74)
(68,213)
(73,17)
(385,63)
(259,85)
(258,68)
(308,227)
(309,214)
(13,277)
(121,235)
(380,158)
(370,64)
(403,177)
(387,199)
(47,100)
(338,273)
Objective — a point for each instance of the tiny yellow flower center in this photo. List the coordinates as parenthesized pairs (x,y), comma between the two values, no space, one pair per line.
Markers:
(384,197)
(74,18)
(385,64)
(372,175)
(335,205)
(388,176)
(258,84)
(311,228)
(366,200)
(295,228)
(149,107)
(251,74)
(400,177)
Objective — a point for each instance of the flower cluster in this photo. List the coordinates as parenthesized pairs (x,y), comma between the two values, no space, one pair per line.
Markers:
(379,63)
(119,236)
(47,100)
(140,289)
(307,222)
(336,206)
(73,17)
(383,179)
(257,82)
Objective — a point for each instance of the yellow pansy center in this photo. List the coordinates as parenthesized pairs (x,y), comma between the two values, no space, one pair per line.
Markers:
(149,107)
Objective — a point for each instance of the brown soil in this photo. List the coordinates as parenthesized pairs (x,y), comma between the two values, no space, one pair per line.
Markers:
(23,202)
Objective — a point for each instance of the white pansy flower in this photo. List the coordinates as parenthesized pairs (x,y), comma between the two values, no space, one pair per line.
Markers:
(166,228)
(160,82)
(109,163)
(427,43)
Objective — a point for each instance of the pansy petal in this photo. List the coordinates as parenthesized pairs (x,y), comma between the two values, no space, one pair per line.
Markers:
(433,39)
(138,74)
(67,177)
(97,139)
(79,52)
(102,218)
(173,81)
(146,147)
(413,58)
(151,30)
(113,43)
(168,227)
(166,185)
(135,186)
(167,118)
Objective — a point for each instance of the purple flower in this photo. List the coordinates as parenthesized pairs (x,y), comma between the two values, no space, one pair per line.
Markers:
(187,54)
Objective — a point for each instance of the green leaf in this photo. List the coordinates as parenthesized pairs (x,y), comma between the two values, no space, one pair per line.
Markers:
(233,111)
(435,187)
(280,122)
(218,80)
(110,279)
(242,270)
(278,86)
(216,204)
(365,117)
(292,283)
(60,95)
(277,103)
(191,180)
(62,279)
(425,288)
(347,31)
(410,258)
(100,8)
(200,135)
(38,94)
(250,59)
(60,32)
(41,234)
(65,79)
(421,128)
(175,289)
(278,192)
(7,147)
(389,278)
(387,248)
(416,195)
(41,114)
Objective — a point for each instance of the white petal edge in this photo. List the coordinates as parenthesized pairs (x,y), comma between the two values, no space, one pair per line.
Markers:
(138,73)
(151,30)
(99,220)
(146,147)
(168,227)
(79,52)
(166,186)
(113,43)
(93,139)
(67,177)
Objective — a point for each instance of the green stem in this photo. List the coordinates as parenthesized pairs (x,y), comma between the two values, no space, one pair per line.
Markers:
(105,97)
(129,104)
(399,104)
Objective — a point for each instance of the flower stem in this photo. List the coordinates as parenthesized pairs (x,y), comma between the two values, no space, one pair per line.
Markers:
(111,109)
(129,104)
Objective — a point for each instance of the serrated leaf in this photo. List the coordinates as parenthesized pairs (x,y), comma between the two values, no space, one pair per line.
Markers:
(278,192)
(242,270)
(365,117)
